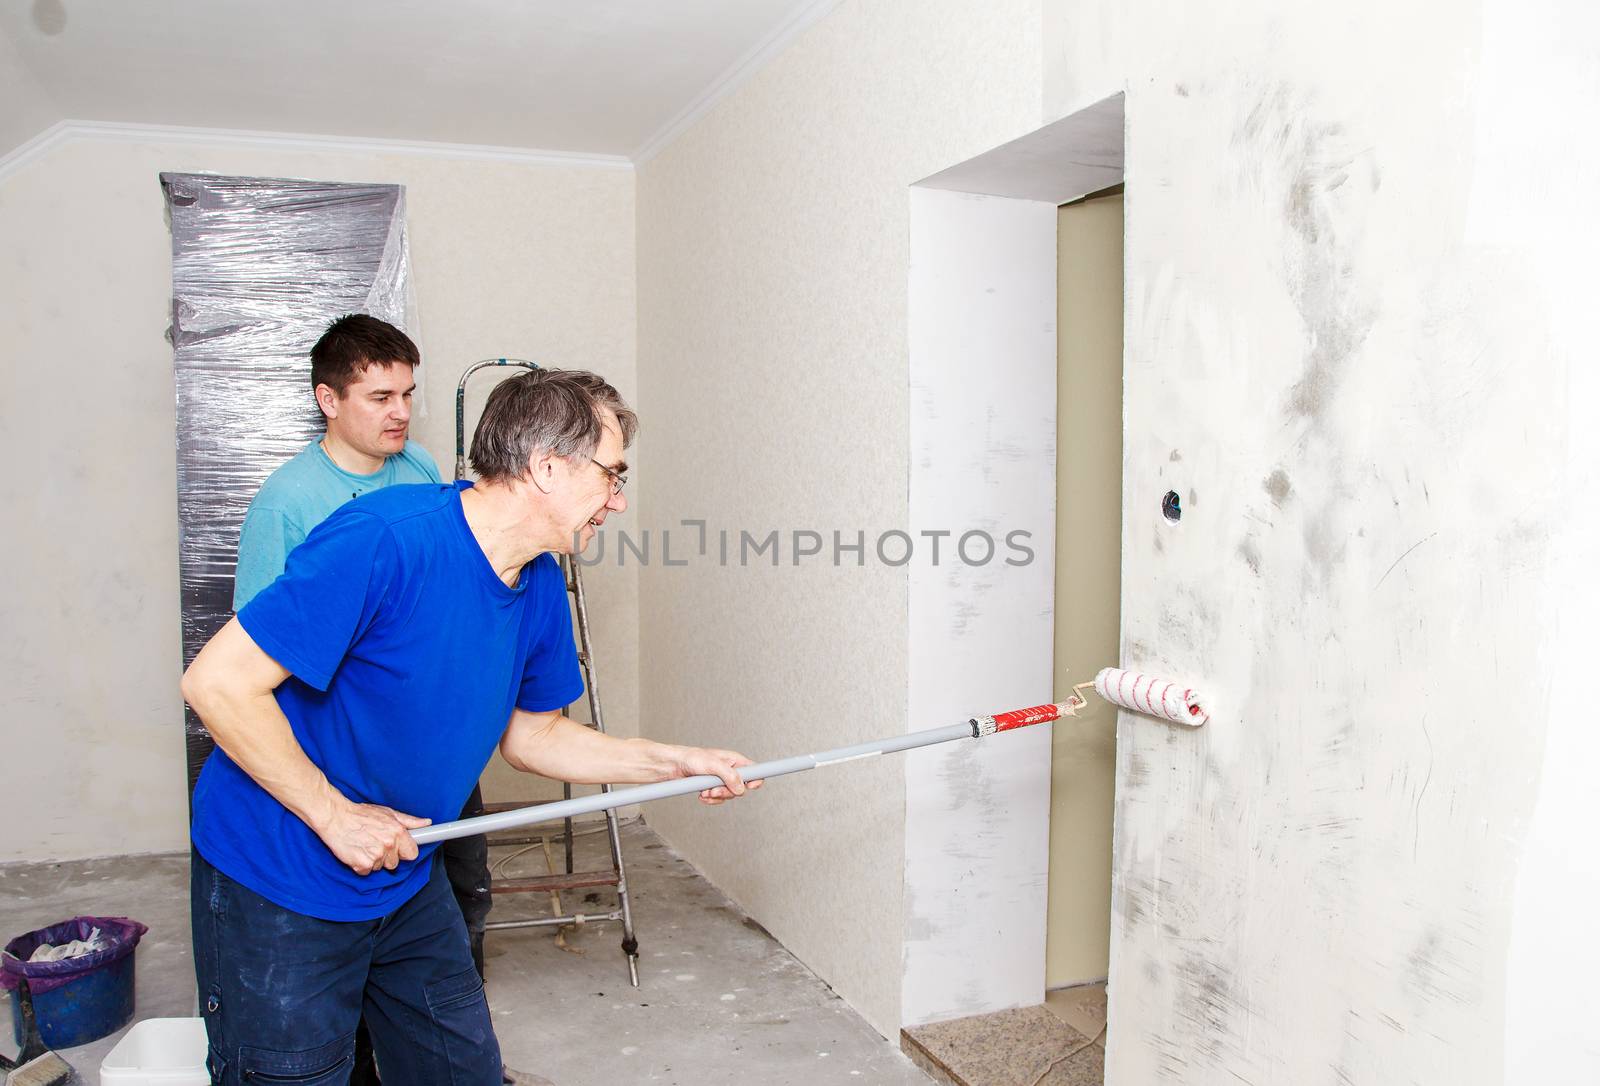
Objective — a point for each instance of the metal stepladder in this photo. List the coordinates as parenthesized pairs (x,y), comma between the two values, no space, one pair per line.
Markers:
(570,880)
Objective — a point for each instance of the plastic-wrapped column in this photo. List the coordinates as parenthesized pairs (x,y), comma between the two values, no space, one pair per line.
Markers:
(1152,696)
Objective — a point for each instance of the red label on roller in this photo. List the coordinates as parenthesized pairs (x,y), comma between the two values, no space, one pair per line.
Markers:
(1021,718)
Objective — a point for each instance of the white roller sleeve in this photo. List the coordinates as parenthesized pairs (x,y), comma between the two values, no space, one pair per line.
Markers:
(1152,696)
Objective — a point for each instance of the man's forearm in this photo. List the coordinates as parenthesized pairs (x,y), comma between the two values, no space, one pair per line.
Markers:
(230,685)
(565,750)
(238,709)
(255,734)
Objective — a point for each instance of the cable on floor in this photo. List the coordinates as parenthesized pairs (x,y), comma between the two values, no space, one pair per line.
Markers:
(1059,1060)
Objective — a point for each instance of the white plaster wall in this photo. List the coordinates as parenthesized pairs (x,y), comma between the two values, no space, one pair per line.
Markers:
(983,433)
(773,239)
(1359,287)
(506,259)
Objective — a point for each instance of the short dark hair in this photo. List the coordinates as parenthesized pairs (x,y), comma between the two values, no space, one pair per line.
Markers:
(557,411)
(353,343)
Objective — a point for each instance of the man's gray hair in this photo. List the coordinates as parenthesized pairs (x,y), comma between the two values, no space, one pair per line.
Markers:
(552,411)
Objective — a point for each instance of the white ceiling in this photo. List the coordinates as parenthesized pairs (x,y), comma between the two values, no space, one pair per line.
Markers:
(600,77)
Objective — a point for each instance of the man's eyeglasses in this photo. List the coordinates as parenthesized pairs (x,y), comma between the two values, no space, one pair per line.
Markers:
(617,481)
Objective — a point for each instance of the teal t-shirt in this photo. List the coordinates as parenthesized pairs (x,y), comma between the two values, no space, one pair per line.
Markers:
(298,497)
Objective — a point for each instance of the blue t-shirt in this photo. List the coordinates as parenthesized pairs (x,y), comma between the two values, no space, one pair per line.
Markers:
(298,497)
(407,655)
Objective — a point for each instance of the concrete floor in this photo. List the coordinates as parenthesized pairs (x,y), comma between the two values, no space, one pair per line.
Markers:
(719,1000)
(153,890)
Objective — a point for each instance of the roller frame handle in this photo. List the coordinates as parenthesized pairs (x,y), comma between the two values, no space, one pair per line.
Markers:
(761,771)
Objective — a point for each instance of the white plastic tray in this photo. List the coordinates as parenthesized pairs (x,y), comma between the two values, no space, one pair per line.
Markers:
(159,1052)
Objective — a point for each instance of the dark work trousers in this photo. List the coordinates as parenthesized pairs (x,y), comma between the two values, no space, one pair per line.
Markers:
(466,864)
(281,992)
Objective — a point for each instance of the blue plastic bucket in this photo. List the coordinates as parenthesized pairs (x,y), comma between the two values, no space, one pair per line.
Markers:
(76,1000)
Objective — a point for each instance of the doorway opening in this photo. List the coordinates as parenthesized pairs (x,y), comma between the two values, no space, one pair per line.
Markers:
(1013,429)
(1088,603)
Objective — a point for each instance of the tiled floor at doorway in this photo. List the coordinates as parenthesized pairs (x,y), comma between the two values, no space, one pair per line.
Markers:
(1058,1043)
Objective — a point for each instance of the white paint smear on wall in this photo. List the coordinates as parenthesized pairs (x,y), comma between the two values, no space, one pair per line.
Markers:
(1540,69)
(983,343)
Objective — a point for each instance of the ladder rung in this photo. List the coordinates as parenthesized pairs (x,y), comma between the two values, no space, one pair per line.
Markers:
(543,884)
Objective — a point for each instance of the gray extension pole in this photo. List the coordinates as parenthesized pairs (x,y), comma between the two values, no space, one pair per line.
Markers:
(644,793)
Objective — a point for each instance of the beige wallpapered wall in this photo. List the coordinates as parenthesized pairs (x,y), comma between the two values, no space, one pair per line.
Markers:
(772,289)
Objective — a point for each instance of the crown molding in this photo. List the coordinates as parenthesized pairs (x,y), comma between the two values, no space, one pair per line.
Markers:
(40,145)
(736,76)
(64,132)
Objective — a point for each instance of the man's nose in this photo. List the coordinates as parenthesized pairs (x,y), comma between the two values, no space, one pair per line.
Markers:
(618,503)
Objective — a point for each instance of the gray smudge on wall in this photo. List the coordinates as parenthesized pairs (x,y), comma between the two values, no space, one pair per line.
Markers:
(1277,486)
(1213,1004)
(1251,555)
(1311,163)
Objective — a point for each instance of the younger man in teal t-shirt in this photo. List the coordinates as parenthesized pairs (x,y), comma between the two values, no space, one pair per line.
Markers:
(361,371)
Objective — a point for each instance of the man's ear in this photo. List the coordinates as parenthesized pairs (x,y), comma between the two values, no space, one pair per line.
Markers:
(328,401)
(542,471)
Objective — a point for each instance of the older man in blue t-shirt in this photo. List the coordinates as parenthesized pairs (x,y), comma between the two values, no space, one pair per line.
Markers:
(363,376)
(358,697)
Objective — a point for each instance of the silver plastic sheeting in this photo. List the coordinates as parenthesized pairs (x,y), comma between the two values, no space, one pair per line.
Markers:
(260,266)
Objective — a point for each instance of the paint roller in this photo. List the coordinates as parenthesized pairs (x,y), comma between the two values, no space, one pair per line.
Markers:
(1126,689)
(1140,693)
